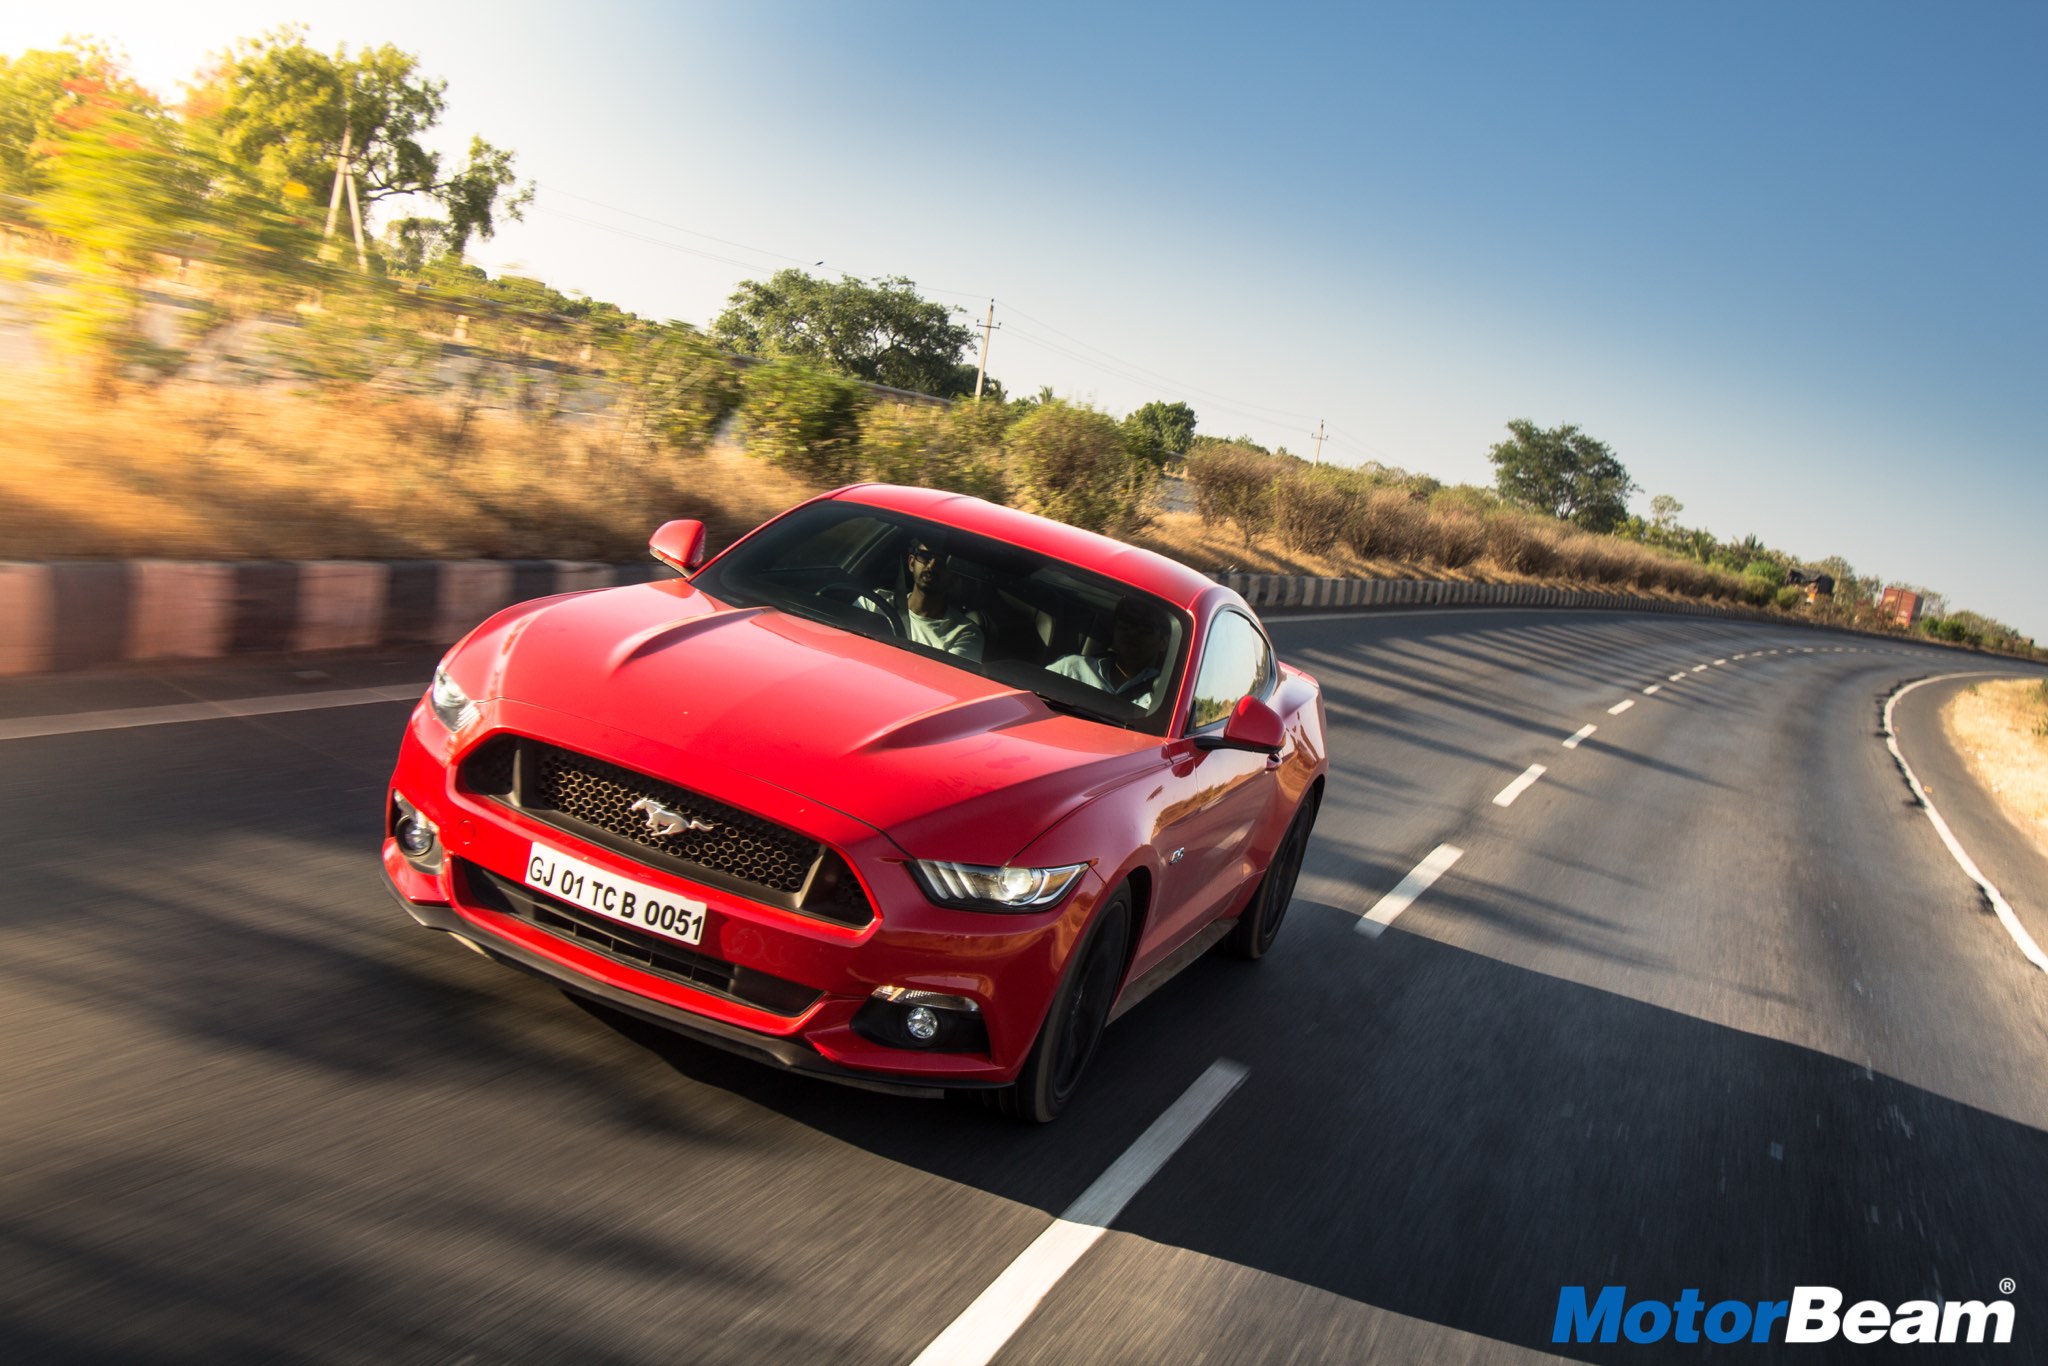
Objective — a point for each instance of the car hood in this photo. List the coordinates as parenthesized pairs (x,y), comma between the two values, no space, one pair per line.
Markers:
(948,763)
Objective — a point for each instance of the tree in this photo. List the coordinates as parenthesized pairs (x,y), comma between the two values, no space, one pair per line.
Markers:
(277,111)
(1160,431)
(1563,472)
(1664,510)
(880,332)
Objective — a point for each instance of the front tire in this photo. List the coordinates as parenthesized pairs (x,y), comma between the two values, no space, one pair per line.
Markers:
(1074,1025)
(1259,926)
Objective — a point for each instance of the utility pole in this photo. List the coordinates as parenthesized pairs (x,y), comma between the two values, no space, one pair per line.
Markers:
(1318,434)
(988,327)
(340,174)
(344,175)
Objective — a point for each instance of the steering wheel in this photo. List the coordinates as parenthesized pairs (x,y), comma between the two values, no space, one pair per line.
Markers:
(853,595)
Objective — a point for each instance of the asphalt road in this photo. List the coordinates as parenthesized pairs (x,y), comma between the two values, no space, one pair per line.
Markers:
(1707,1006)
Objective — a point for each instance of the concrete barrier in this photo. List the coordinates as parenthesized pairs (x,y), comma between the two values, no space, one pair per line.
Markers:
(81,614)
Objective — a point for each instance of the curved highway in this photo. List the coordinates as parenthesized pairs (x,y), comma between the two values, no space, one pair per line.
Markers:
(1703,1004)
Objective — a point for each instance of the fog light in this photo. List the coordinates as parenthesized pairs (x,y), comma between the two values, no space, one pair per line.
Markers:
(910,1017)
(414,836)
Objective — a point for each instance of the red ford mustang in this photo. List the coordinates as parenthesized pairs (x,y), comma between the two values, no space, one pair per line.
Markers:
(904,788)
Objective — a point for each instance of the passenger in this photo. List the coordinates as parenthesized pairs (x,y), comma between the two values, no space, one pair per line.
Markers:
(924,614)
(1130,669)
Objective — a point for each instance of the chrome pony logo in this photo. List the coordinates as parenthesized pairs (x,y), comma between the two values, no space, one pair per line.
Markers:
(667,824)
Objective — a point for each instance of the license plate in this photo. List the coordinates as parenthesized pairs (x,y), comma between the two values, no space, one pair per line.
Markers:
(617,898)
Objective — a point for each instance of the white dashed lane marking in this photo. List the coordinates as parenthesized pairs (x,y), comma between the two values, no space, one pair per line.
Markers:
(1578,736)
(1653,690)
(999,1311)
(1414,885)
(1619,707)
(1520,785)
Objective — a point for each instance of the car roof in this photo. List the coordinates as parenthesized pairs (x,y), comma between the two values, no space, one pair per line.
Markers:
(1154,573)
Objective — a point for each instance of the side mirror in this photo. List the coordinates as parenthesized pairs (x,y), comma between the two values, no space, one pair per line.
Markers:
(679,545)
(1252,726)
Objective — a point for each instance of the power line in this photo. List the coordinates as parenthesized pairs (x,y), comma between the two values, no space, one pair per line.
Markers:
(1104,361)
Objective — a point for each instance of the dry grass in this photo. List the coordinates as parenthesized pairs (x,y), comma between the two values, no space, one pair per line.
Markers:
(219,473)
(2001,730)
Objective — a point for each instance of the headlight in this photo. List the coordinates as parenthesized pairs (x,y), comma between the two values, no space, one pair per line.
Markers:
(971,887)
(450,703)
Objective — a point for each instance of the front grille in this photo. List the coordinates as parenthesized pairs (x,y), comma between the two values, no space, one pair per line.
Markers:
(742,852)
(623,944)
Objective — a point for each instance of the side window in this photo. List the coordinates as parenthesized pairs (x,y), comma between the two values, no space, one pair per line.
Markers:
(1235,663)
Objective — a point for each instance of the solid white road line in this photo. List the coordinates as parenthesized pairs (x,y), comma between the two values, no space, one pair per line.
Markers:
(1520,785)
(1619,707)
(1414,885)
(1999,905)
(999,1311)
(1653,690)
(27,727)
(1573,740)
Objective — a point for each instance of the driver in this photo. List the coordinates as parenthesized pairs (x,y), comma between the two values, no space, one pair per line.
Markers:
(926,616)
(1137,651)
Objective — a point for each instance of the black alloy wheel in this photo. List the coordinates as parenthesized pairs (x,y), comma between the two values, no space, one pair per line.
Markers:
(1259,926)
(1074,1026)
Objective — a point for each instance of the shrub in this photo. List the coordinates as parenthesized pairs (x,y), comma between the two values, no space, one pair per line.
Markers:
(1387,524)
(806,421)
(1457,538)
(1789,597)
(1072,463)
(1519,544)
(1233,481)
(679,388)
(1311,508)
(954,448)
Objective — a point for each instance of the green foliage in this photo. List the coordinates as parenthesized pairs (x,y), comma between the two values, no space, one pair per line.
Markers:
(1160,431)
(1072,463)
(1563,472)
(679,388)
(958,448)
(804,419)
(33,88)
(1233,481)
(117,182)
(1766,571)
(883,332)
(1789,597)
(275,111)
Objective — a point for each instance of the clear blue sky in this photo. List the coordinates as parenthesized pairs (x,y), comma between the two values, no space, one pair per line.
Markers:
(1786,259)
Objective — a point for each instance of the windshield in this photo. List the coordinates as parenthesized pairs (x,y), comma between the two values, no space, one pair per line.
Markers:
(1086,644)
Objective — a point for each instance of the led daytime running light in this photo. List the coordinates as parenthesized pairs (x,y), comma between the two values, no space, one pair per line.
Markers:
(996,889)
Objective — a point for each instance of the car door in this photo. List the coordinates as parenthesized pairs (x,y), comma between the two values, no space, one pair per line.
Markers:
(1215,800)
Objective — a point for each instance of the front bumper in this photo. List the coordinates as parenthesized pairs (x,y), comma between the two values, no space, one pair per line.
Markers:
(1008,965)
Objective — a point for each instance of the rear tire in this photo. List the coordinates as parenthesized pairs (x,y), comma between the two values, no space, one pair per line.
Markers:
(1073,1026)
(1259,926)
